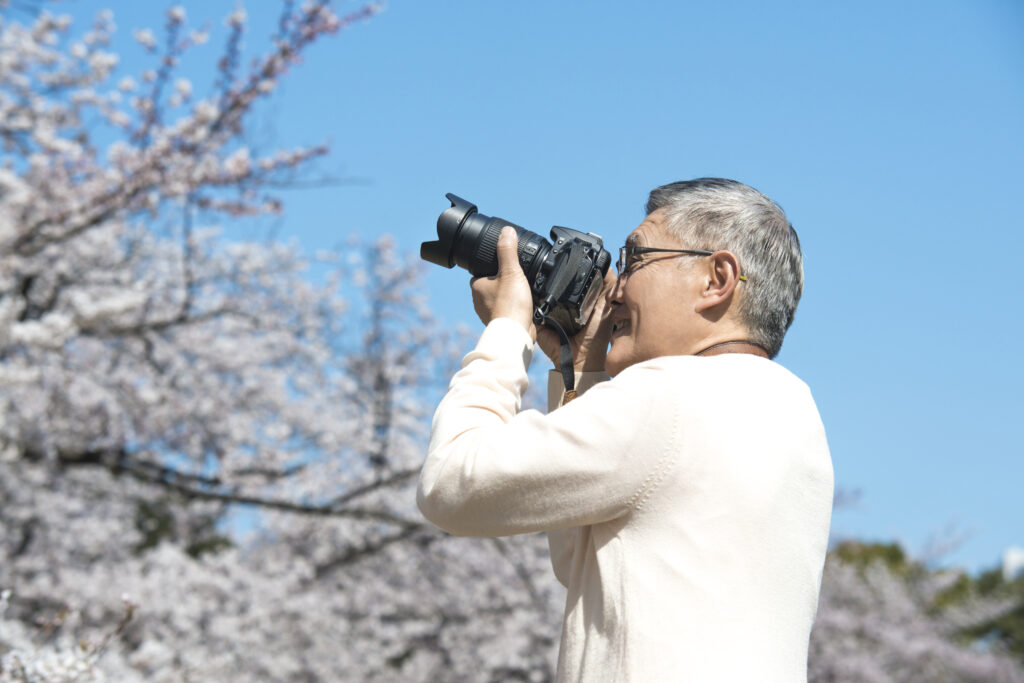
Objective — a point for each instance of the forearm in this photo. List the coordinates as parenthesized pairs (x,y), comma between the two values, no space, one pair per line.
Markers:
(491,471)
(485,393)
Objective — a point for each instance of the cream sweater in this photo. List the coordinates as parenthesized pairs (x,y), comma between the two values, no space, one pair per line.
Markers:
(687,505)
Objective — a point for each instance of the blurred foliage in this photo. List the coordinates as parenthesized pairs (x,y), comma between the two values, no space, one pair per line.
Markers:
(1007,629)
(156,522)
(862,555)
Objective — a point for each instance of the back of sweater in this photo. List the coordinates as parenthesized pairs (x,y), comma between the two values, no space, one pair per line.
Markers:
(714,573)
(687,503)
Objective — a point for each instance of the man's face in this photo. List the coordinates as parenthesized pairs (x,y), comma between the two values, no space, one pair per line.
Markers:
(652,303)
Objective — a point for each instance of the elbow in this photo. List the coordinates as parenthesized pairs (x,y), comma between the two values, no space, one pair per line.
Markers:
(460,492)
(441,510)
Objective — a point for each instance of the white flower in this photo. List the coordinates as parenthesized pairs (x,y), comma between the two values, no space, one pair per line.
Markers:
(145,38)
(176,14)
(237,18)
(50,332)
(184,87)
(103,62)
(91,308)
(206,111)
(127,84)
(238,163)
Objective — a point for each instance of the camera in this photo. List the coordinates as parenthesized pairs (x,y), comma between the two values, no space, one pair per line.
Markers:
(566,275)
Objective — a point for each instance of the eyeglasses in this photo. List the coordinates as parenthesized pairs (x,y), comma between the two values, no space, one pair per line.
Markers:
(627,257)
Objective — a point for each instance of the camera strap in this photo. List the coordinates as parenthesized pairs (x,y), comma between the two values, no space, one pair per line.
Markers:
(540,317)
(563,280)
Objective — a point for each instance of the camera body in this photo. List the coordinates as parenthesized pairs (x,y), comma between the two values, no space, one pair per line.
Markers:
(566,275)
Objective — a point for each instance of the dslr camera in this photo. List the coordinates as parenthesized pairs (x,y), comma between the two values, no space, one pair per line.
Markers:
(566,275)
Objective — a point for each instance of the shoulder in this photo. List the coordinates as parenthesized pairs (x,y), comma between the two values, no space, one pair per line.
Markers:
(742,382)
(740,367)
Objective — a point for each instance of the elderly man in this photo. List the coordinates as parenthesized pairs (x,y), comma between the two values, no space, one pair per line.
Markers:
(687,500)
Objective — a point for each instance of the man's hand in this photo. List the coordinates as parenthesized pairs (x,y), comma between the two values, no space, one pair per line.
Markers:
(507,294)
(589,345)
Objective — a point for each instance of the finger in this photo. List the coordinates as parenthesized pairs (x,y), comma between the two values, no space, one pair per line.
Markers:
(508,248)
(610,278)
(549,342)
(545,334)
(484,285)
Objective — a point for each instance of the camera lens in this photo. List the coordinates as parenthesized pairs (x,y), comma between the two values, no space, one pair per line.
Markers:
(469,239)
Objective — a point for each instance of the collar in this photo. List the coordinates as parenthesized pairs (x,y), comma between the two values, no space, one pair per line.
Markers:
(737,346)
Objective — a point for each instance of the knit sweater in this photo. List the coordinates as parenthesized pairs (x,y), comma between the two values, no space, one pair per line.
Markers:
(687,504)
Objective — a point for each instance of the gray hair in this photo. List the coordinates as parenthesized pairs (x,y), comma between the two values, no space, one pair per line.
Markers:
(724,215)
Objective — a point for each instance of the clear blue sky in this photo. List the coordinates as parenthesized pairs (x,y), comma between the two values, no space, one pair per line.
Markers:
(892,134)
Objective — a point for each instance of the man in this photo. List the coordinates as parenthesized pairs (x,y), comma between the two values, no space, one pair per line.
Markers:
(687,500)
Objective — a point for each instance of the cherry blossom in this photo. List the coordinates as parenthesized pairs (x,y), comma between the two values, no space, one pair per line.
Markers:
(208,447)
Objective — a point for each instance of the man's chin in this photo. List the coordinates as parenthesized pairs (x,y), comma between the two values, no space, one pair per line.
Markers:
(615,363)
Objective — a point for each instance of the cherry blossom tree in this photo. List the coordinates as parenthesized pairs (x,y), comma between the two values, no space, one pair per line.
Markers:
(157,382)
(882,617)
(208,447)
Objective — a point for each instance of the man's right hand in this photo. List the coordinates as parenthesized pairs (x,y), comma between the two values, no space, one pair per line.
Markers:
(589,345)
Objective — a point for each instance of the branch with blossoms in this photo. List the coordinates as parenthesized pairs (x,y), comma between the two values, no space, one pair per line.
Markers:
(49,654)
(195,487)
(89,300)
(188,158)
(155,380)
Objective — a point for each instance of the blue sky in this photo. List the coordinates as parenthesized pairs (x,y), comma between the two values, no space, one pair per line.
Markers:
(892,134)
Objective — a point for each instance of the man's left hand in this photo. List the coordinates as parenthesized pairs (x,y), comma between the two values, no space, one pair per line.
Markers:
(507,294)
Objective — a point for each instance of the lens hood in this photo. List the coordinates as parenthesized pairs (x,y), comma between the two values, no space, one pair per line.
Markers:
(442,250)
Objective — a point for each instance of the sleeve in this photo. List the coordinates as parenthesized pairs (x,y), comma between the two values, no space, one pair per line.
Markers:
(562,542)
(562,546)
(492,472)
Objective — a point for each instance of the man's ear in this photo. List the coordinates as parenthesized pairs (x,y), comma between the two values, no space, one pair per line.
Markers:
(721,276)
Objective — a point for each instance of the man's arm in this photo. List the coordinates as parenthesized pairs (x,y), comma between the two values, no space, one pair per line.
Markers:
(492,472)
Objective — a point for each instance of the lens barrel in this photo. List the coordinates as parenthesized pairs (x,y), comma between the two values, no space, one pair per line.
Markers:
(469,239)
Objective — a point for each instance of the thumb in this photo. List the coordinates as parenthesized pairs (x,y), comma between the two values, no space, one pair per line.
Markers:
(508,252)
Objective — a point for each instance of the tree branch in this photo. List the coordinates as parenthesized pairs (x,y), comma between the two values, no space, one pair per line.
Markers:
(190,486)
(368,548)
(523,574)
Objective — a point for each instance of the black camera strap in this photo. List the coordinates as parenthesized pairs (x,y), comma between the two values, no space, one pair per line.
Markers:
(563,280)
(540,317)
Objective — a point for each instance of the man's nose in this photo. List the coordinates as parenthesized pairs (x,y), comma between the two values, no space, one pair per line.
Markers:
(614,295)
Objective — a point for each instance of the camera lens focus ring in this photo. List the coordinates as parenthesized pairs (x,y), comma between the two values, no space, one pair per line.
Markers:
(485,256)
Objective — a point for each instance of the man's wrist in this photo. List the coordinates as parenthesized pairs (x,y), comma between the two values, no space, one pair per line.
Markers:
(589,365)
(525,323)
